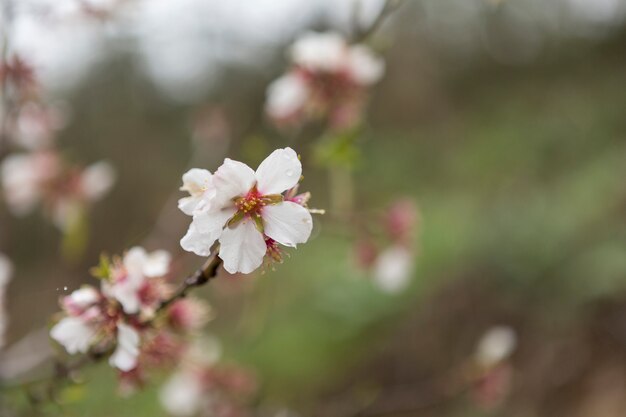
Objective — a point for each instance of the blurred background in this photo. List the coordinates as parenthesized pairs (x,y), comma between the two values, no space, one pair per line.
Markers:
(501,121)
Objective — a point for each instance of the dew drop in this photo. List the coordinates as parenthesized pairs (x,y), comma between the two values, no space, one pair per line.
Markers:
(289,172)
(64,288)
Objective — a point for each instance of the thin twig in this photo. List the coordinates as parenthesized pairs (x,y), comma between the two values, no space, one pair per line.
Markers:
(362,33)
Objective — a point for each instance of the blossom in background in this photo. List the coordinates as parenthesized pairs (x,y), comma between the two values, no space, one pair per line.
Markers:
(133,280)
(203,386)
(495,346)
(246,211)
(392,266)
(393,269)
(6,271)
(492,372)
(41,178)
(328,78)
(36,125)
(25,177)
(120,316)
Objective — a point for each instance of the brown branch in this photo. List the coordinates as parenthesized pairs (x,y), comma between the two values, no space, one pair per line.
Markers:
(197,279)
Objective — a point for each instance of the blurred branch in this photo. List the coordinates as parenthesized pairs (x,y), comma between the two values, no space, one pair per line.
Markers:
(361,33)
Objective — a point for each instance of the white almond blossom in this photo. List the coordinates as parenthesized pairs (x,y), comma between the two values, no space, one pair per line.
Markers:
(127,351)
(183,394)
(320,51)
(96,180)
(137,267)
(330,53)
(496,345)
(22,178)
(249,210)
(363,66)
(75,334)
(393,269)
(286,96)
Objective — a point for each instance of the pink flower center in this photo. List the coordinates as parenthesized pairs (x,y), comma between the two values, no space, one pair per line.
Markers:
(251,203)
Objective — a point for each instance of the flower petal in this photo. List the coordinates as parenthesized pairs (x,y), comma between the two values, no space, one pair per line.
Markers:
(125,356)
(205,228)
(134,260)
(288,223)
(242,247)
(286,96)
(393,269)
(280,171)
(157,264)
(231,180)
(182,394)
(73,334)
(199,184)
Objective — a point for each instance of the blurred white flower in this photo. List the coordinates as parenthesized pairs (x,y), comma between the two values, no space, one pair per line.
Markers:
(129,279)
(393,269)
(183,394)
(199,184)
(6,271)
(496,345)
(247,207)
(74,334)
(125,356)
(96,180)
(286,96)
(364,67)
(36,125)
(324,52)
(23,176)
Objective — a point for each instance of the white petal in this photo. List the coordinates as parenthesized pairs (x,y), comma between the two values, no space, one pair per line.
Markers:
(196,180)
(157,264)
(97,179)
(286,96)
(287,223)
(199,184)
(127,293)
(392,272)
(496,345)
(84,297)
(204,230)
(280,171)
(181,395)
(134,260)
(364,67)
(319,51)
(242,247)
(125,356)
(232,179)
(73,334)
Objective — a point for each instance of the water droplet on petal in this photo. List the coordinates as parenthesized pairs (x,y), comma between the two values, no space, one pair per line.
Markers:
(289,172)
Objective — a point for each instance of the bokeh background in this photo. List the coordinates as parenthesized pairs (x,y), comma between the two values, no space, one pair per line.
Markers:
(503,120)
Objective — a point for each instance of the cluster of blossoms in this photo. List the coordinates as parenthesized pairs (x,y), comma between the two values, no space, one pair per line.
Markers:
(204,387)
(6,271)
(393,265)
(250,213)
(490,371)
(121,316)
(328,80)
(38,175)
